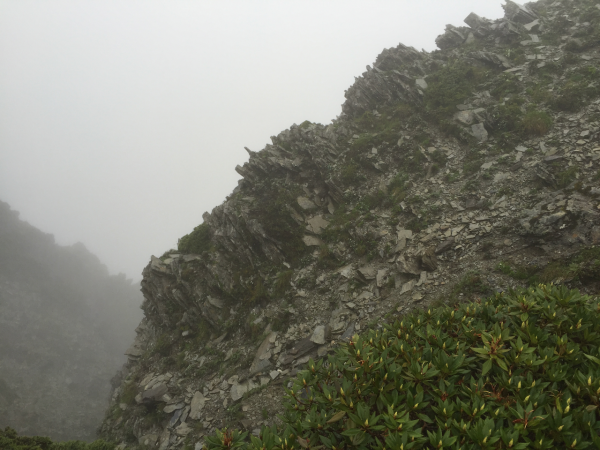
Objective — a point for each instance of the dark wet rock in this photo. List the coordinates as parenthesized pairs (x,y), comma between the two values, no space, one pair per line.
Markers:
(429,260)
(445,246)
(299,349)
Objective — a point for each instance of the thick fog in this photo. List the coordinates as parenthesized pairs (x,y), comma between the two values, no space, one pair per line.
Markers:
(121,122)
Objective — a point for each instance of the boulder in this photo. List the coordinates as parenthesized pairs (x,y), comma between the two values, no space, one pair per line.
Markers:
(261,359)
(466,117)
(173,407)
(407,266)
(312,241)
(321,334)
(451,38)
(403,235)
(445,246)
(157,264)
(347,271)
(305,203)
(381,277)
(300,348)
(339,319)
(518,13)
(421,83)
(155,393)
(479,25)
(216,302)
(479,132)
(238,391)
(406,287)
(183,429)
(175,418)
(429,259)
(368,272)
(196,406)
(317,224)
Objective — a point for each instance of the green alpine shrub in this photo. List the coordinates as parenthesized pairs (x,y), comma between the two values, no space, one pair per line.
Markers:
(515,371)
(198,241)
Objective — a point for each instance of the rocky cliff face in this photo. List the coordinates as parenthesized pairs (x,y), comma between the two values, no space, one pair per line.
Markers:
(64,326)
(448,175)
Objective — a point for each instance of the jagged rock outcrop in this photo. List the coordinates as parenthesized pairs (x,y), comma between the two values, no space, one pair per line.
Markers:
(449,175)
(64,325)
(391,79)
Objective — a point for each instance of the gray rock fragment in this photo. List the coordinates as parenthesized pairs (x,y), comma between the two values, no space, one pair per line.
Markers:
(406,287)
(312,241)
(183,429)
(348,333)
(479,132)
(445,246)
(261,359)
(466,117)
(197,405)
(421,83)
(479,25)
(300,348)
(155,393)
(238,391)
(368,272)
(321,334)
(347,271)
(175,418)
(381,277)
(173,407)
(305,203)
(216,302)
(429,259)
(518,13)
(317,224)
(451,38)
(407,266)
(403,235)
(157,264)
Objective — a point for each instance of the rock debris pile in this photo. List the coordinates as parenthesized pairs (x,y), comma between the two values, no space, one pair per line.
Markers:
(449,175)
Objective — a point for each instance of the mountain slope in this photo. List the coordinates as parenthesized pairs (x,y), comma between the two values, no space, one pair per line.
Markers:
(64,326)
(448,175)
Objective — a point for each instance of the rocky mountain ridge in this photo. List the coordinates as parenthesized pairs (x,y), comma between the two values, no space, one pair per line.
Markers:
(448,175)
(64,325)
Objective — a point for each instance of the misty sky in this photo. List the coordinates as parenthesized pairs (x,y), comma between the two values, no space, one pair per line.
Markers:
(122,121)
